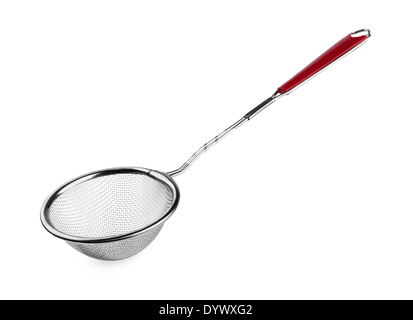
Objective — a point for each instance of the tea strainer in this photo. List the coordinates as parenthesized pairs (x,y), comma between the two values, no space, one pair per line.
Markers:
(113,214)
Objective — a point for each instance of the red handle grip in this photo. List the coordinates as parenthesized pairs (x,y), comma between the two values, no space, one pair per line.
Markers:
(338,50)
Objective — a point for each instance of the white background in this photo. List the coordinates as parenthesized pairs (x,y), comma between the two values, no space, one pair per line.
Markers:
(310,200)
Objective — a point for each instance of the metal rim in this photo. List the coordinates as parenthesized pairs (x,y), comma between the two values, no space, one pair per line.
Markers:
(163,177)
(361,32)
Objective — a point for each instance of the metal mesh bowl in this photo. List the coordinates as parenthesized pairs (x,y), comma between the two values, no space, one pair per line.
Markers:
(111,214)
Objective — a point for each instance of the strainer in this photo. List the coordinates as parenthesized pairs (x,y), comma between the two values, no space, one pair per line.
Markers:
(113,214)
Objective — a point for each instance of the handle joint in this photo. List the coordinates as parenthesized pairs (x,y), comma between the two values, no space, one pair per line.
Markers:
(263,105)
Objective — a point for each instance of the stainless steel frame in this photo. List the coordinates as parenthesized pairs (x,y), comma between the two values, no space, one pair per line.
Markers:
(224,133)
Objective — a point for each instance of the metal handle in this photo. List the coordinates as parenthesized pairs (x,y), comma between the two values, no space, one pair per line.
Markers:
(339,50)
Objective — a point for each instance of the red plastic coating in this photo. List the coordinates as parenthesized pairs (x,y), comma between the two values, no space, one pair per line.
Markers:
(335,52)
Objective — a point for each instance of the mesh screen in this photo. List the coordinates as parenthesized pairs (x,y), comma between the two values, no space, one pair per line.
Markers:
(110,205)
(118,250)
